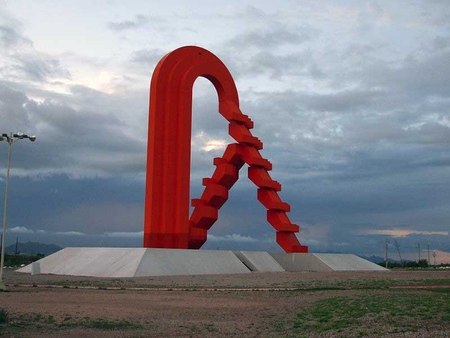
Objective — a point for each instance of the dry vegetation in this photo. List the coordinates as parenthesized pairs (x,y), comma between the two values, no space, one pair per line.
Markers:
(338,304)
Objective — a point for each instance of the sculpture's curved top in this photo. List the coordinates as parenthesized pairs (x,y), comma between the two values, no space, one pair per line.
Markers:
(180,68)
(167,223)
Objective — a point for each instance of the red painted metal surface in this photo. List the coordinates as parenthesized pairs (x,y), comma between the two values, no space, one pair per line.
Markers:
(167,223)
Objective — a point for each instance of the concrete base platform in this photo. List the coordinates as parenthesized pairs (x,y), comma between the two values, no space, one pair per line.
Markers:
(137,262)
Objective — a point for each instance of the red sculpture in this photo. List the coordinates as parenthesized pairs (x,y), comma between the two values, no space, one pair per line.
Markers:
(167,223)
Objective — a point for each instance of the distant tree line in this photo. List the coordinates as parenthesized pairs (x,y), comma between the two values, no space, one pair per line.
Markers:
(423,263)
(18,260)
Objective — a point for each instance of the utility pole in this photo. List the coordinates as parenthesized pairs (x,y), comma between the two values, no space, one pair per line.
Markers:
(17,242)
(434,256)
(387,252)
(429,261)
(10,139)
(418,249)
(397,246)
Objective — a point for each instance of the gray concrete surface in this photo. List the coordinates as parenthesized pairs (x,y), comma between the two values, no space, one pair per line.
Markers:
(137,262)
(97,262)
(300,262)
(324,262)
(168,262)
(260,261)
(347,262)
(134,262)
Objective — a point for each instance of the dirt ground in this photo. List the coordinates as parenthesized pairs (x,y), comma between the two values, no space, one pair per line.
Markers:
(247,305)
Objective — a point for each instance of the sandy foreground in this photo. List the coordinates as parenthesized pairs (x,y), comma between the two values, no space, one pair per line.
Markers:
(247,305)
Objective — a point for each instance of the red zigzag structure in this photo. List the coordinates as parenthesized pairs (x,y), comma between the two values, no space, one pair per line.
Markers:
(246,151)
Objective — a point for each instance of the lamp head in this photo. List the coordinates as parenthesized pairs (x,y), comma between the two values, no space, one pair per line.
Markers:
(32,138)
(19,135)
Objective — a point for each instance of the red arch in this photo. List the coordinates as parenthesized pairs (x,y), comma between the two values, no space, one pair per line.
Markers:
(167,223)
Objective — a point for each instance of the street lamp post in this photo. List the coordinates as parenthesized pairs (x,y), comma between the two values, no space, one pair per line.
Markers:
(10,139)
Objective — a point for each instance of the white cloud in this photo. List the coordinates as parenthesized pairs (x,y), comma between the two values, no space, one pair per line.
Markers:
(20,230)
(207,143)
(138,22)
(232,238)
(69,233)
(124,234)
(403,232)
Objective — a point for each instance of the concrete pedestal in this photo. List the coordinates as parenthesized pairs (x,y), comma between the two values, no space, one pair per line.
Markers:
(137,262)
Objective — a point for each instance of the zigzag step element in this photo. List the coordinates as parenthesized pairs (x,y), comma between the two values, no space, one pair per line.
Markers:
(226,174)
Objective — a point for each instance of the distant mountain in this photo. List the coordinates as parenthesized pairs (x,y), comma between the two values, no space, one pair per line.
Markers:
(33,248)
(378,259)
(373,259)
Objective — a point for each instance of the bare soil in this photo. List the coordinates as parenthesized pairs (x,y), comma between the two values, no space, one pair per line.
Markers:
(248,305)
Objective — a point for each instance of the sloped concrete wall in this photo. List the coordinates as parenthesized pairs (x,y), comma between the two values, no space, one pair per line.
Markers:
(300,262)
(324,262)
(347,262)
(97,262)
(260,261)
(169,262)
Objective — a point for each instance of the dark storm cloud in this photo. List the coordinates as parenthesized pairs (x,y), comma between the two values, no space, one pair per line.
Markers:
(278,66)
(9,37)
(81,142)
(358,134)
(354,156)
(372,153)
(38,68)
(342,102)
(68,210)
(21,62)
(138,22)
(12,102)
(259,52)
(434,12)
(441,43)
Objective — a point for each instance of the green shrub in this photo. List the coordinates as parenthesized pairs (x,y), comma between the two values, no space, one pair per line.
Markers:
(3,316)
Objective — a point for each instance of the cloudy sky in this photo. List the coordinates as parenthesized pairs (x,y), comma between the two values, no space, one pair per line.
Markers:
(351,100)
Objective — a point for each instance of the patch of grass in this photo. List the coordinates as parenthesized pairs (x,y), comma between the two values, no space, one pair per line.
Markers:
(3,316)
(368,283)
(211,328)
(39,322)
(398,310)
(104,324)
(280,326)
(35,318)
(99,323)
(441,290)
